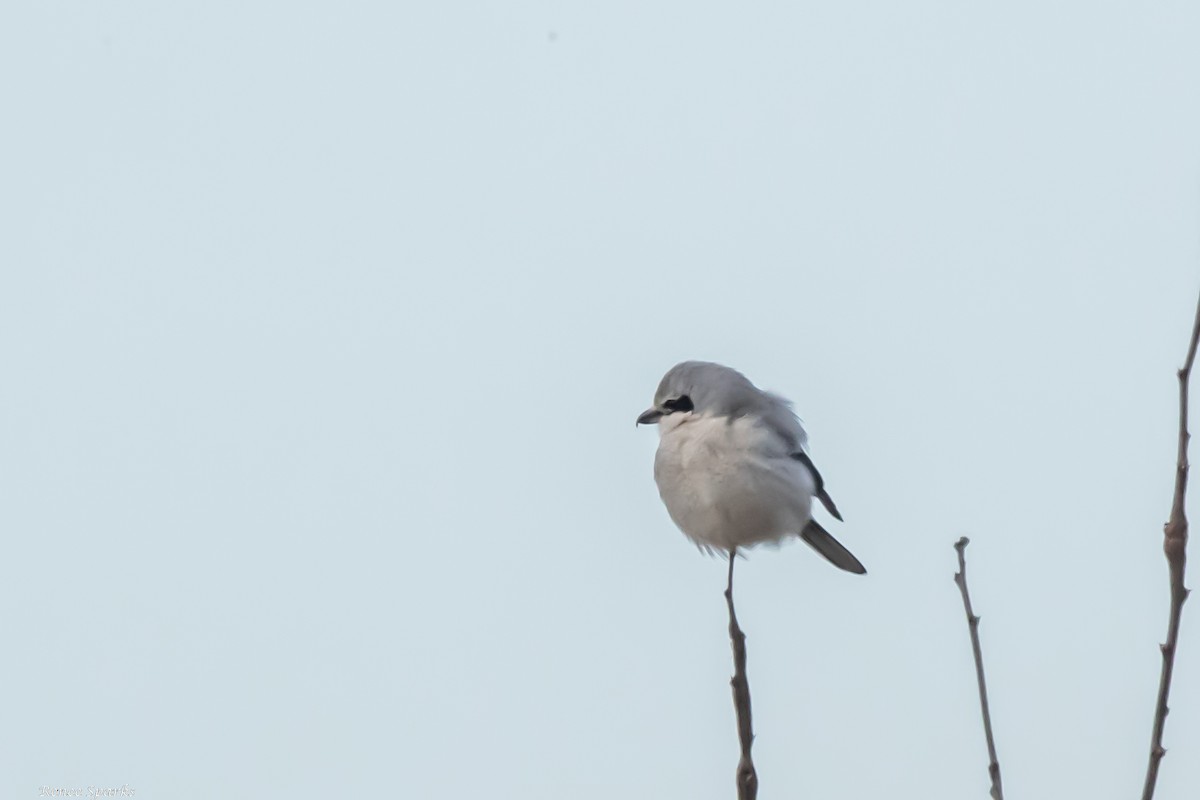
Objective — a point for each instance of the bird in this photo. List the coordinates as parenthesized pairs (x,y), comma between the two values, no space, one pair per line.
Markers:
(731,465)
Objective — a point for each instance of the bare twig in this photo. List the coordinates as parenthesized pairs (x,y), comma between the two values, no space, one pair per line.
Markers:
(1175,534)
(960,578)
(747,778)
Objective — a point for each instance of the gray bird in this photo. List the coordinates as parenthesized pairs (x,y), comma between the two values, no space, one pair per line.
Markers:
(731,467)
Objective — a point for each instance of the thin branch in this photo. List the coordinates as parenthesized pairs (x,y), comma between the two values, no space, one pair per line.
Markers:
(960,578)
(1175,535)
(747,778)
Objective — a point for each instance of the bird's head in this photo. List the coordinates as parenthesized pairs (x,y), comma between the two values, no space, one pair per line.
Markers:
(695,388)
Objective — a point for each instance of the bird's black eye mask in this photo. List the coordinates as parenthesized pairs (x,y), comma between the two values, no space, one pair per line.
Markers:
(681,403)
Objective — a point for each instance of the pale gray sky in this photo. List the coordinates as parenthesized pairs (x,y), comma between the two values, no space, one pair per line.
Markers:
(324,327)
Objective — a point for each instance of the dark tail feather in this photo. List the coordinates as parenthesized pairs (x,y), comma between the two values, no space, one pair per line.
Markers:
(823,542)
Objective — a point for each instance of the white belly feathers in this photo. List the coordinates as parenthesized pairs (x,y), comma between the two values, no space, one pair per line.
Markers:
(725,486)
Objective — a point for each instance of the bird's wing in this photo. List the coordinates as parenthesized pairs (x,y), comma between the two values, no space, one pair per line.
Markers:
(821,494)
(824,543)
(778,416)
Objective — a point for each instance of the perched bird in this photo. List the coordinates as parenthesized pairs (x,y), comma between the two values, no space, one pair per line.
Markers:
(731,467)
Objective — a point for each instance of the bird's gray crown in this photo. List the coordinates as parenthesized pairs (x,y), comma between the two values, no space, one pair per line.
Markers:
(721,391)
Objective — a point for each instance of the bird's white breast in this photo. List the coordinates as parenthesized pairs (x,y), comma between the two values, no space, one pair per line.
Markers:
(730,483)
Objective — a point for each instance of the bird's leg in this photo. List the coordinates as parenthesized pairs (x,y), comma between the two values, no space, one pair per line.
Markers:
(729,585)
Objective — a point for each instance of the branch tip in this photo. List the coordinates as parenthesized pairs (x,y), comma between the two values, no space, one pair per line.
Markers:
(1175,549)
(746,778)
(960,577)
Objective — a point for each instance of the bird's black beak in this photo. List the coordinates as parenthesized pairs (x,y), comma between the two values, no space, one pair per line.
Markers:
(649,417)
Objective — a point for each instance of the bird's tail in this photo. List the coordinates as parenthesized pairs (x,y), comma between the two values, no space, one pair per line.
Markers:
(823,542)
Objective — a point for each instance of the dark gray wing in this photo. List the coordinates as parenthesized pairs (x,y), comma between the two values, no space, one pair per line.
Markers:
(822,495)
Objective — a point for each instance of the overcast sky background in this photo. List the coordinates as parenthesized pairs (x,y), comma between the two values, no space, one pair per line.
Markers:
(324,326)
